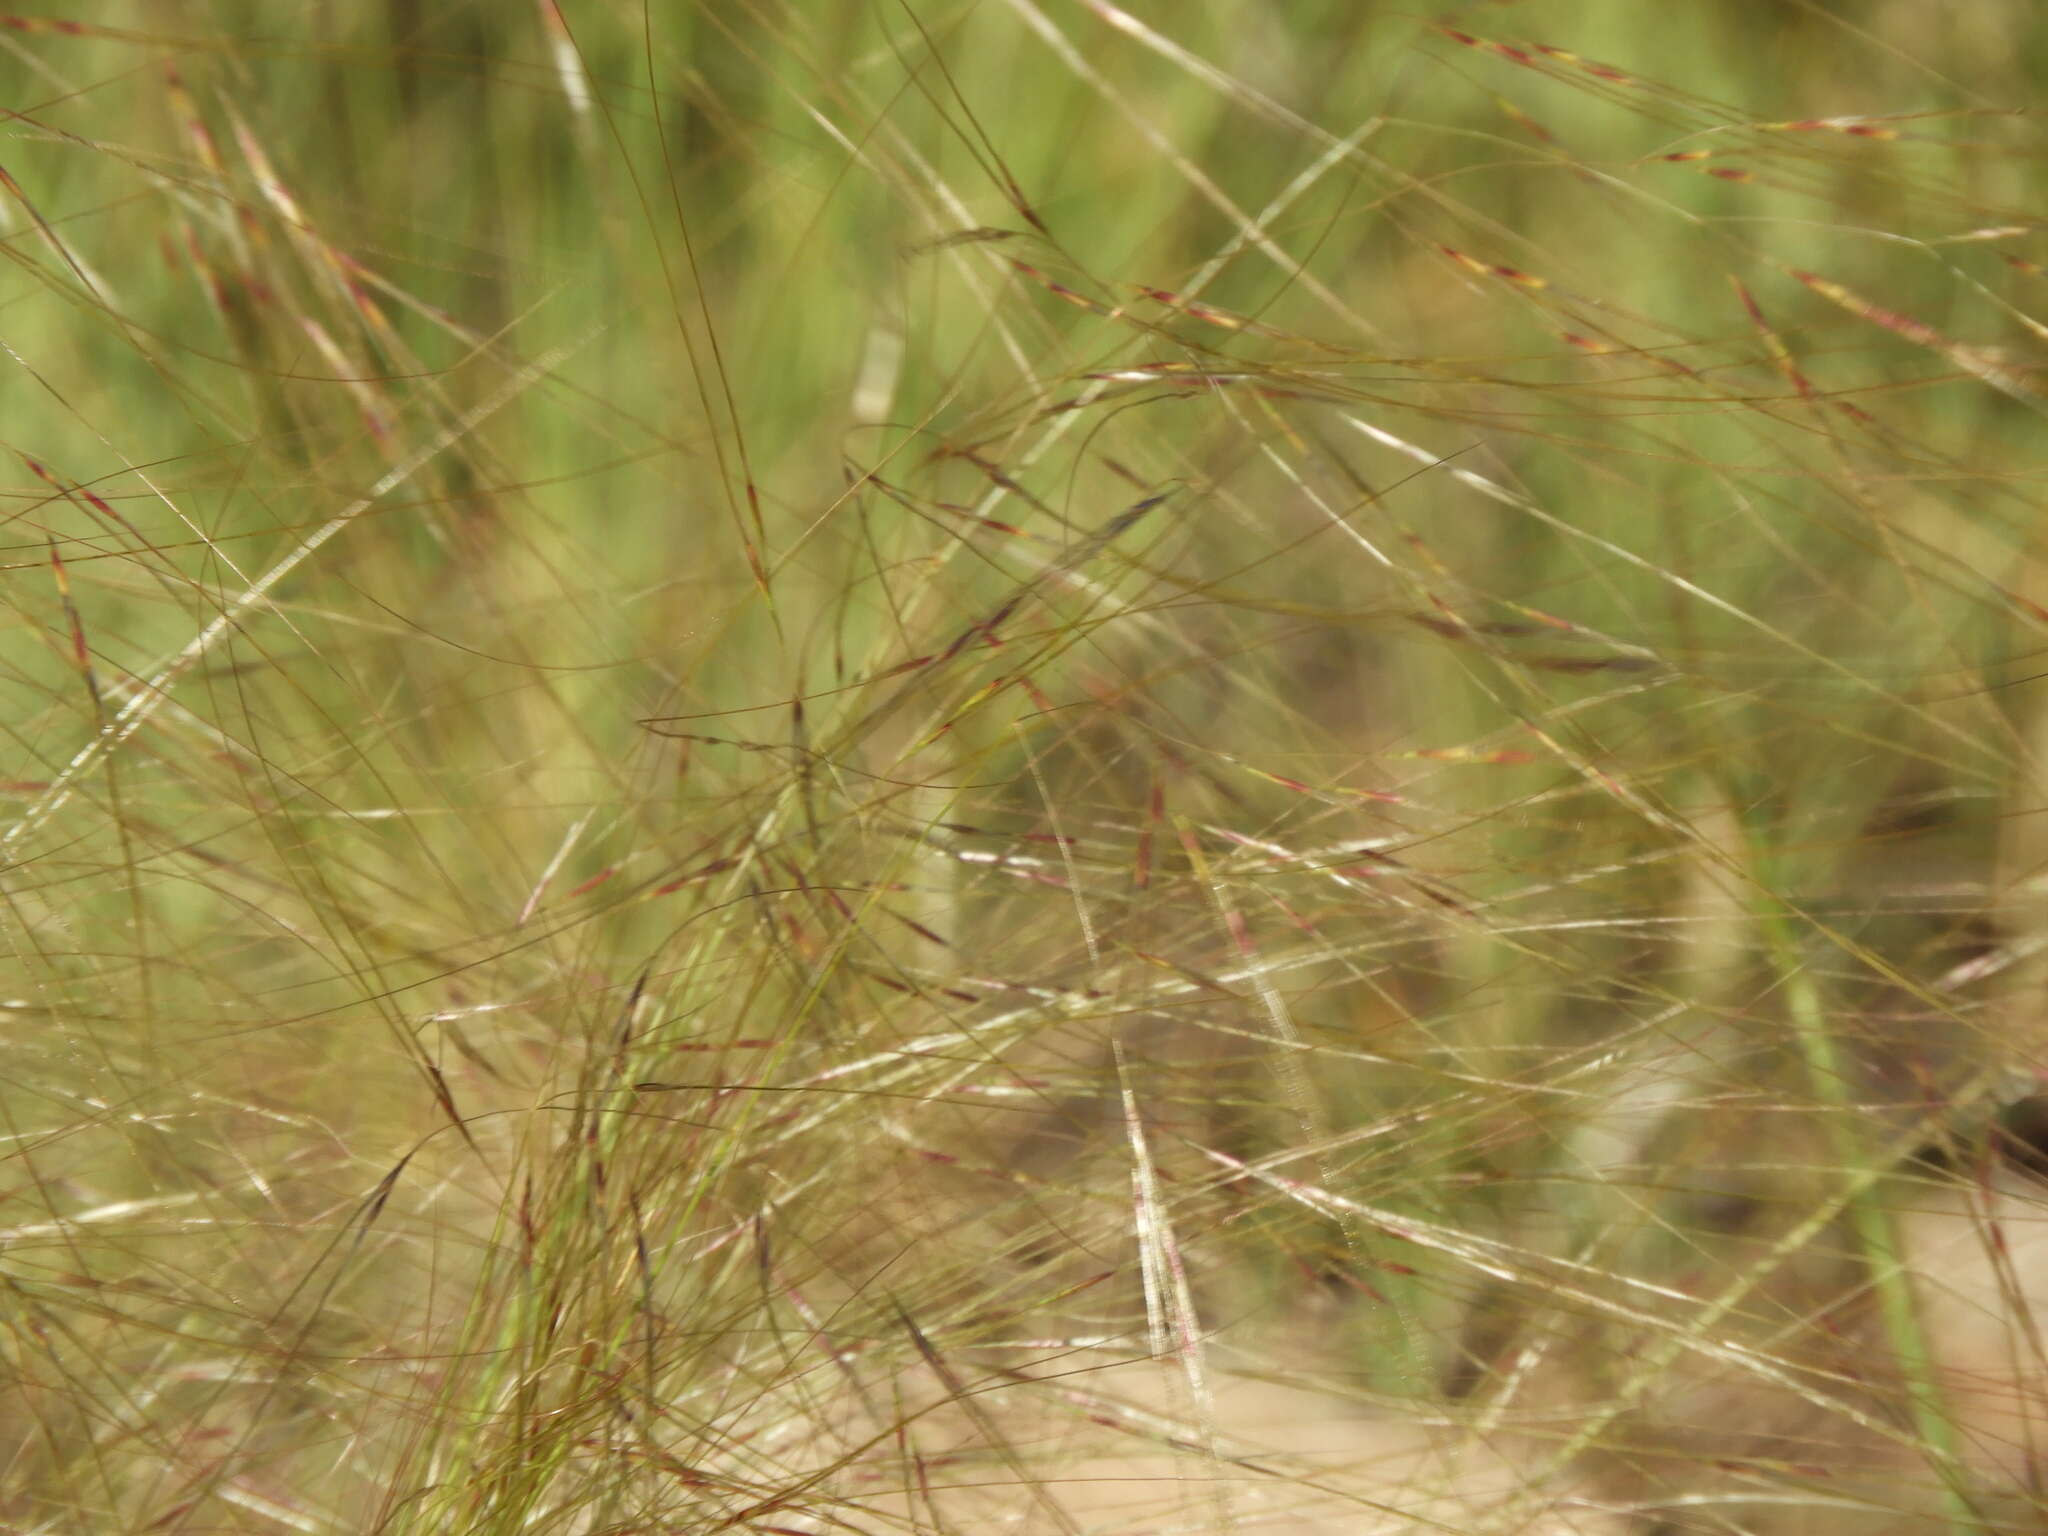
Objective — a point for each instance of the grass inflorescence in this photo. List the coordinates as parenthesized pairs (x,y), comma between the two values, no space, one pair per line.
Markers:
(1046,765)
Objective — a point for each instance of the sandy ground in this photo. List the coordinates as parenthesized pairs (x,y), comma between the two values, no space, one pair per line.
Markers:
(1118,1451)
(1086,1441)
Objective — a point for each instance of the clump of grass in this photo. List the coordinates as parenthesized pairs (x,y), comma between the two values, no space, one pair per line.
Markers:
(1090,767)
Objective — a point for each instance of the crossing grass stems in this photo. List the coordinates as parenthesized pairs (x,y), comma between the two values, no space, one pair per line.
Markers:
(1073,767)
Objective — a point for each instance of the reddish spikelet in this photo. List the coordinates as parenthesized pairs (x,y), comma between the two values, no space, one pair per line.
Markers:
(367,279)
(1284,782)
(1428,557)
(1981,362)
(1209,314)
(49,235)
(754,510)
(810,948)
(368,401)
(756,569)
(1060,290)
(987,628)
(1855,127)
(1240,932)
(1023,206)
(996,477)
(1494,269)
(1550,619)
(1598,71)
(991,524)
(1524,121)
(268,182)
(352,272)
(960,642)
(1155,812)
(919,929)
(76,492)
(1189,306)
(1296,918)
(1506,757)
(1546,50)
(258,240)
(1779,353)
(1450,627)
(186,111)
(1470,263)
(1749,303)
(61,26)
(2026,605)
(1383,796)
(1682,155)
(350,277)
(445,1097)
(2020,263)
(1729,173)
(800,936)
(703,872)
(81,655)
(1903,325)
(592,883)
(744,1044)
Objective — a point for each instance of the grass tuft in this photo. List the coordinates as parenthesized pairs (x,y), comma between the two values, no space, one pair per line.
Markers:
(1070,767)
